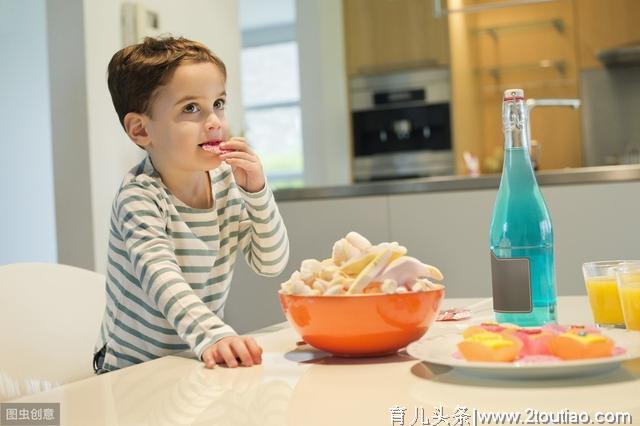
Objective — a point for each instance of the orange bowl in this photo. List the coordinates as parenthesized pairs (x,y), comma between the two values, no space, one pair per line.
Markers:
(362,325)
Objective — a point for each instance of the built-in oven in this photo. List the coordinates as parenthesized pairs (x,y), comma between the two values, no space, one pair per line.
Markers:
(401,125)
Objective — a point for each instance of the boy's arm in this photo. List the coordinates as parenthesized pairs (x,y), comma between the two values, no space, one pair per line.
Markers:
(151,252)
(263,236)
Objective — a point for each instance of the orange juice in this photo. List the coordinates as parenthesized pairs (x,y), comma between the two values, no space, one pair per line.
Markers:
(604,300)
(630,297)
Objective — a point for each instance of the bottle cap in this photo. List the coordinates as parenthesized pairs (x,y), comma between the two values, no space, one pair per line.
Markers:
(513,95)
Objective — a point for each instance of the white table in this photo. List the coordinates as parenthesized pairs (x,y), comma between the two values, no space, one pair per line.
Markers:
(299,386)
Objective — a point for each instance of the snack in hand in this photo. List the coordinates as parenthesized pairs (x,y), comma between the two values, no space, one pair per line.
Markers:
(358,267)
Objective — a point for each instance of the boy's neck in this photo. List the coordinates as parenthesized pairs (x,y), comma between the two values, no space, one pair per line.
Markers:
(193,189)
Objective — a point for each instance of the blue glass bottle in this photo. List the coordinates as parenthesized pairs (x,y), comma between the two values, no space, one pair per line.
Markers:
(521,235)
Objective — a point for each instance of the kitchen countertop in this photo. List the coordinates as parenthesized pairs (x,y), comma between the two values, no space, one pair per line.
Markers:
(583,175)
(298,385)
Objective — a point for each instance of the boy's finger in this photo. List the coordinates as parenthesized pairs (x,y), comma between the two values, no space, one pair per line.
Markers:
(254,349)
(242,352)
(238,162)
(239,154)
(228,356)
(233,143)
(237,146)
(217,357)
(208,359)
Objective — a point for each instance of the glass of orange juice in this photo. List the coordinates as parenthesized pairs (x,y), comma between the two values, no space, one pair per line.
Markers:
(628,278)
(602,289)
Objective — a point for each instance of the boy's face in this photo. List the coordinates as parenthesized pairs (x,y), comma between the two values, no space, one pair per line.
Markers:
(186,113)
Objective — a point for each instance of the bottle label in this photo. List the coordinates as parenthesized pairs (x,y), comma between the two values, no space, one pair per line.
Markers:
(511,283)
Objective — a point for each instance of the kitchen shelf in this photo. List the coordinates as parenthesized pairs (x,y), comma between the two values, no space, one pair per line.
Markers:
(496,72)
(556,23)
(439,12)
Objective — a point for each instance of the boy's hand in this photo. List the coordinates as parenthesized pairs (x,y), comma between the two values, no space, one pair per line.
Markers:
(229,350)
(244,163)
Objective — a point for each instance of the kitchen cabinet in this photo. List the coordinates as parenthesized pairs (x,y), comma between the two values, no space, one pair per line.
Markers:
(530,47)
(392,35)
(602,24)
(542,48)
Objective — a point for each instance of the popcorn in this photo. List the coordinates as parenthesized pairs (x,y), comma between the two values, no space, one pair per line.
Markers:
(309,269)
(358,241)
(358,267)
(389,286)
(343,251)
(419,286)
(334,291)
(320,285)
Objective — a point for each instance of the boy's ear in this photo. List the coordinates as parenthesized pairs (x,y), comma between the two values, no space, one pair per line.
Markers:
(134,125)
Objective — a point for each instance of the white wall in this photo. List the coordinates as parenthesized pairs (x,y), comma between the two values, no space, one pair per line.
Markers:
(214,23)
(27,210)
(323,92)
(69,134)
(111,153)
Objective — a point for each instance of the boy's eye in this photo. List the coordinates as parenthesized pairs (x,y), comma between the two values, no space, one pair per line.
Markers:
(190,108)
(219,104)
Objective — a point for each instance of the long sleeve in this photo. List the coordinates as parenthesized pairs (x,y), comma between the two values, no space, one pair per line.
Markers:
(263,236)
(142,226)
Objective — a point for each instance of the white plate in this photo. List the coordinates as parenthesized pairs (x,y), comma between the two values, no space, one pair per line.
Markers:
(439,349)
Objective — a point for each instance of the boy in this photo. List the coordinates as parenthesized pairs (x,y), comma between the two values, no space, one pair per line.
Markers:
(176,227)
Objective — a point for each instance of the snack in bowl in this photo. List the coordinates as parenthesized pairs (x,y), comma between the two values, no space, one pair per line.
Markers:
(356,266)
(507,343)
(365,300)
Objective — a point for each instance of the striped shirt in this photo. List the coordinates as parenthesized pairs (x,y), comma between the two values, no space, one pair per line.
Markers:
(170,265)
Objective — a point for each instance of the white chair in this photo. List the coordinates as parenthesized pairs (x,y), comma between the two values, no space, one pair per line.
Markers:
(50,316)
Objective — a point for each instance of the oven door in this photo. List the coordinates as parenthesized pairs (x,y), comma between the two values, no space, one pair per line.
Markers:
(402,142)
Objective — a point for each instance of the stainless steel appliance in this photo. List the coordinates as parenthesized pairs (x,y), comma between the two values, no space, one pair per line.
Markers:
(401,125)
(610,125)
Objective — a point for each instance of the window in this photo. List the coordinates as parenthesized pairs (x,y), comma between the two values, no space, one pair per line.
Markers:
(271,98)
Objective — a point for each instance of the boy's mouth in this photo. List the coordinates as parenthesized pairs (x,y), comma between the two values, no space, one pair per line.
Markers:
(213,146)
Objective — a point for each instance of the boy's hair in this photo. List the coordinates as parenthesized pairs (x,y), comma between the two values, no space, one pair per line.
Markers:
(137,71)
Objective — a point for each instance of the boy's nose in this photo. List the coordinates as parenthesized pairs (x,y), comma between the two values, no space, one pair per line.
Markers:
(213,121)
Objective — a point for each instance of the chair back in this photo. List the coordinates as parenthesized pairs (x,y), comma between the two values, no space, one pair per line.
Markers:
(50,316)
